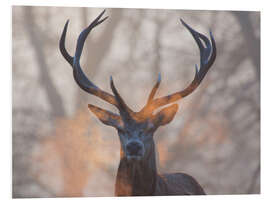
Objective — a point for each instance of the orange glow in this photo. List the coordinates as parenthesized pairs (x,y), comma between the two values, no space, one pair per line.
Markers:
(163,153)
(71,155)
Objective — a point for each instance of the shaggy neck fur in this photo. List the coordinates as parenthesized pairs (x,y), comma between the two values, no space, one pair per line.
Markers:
(137,178)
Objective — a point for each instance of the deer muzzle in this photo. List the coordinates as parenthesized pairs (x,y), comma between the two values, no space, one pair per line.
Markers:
(134,151)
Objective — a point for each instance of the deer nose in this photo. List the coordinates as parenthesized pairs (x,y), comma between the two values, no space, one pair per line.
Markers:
(134,148)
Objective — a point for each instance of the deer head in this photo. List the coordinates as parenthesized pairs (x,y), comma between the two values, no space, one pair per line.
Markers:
(136,129)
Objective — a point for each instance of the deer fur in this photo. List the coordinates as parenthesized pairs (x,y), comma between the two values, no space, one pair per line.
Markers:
(137,172)
(142,179)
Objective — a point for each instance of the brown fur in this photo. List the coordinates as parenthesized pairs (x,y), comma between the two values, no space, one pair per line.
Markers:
(141,179)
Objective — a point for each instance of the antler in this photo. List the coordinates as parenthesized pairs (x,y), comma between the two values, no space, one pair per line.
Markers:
(78,74)
(124,110)
(207,58)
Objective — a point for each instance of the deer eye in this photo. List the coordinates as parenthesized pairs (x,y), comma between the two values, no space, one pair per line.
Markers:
(141,133)
(146,132)
(121,130)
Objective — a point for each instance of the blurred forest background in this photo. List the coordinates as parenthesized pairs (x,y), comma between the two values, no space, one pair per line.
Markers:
(61,149)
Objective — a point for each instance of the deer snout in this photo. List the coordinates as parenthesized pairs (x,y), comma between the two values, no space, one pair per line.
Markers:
(134,149)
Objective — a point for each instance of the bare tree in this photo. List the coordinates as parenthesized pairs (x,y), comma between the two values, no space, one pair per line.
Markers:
(36,40)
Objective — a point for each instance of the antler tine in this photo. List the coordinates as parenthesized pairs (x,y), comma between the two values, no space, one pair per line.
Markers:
(62,45)
(78,74)
(154,90)
(205,52)
(63,37)
(146,110)
(124,110)
(207,58)
(84,34)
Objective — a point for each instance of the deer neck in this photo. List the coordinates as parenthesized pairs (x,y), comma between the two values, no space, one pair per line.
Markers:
(136,178)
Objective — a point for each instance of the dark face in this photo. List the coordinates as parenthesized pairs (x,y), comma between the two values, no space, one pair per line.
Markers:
(136,136)
(136,139)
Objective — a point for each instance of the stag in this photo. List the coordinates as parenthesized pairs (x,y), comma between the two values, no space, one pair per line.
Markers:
(137,172)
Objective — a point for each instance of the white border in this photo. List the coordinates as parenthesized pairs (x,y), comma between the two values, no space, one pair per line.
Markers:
(5,146)
(168,4)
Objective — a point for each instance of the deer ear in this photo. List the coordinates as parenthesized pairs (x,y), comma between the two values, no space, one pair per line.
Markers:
(106,117)
(165,116)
